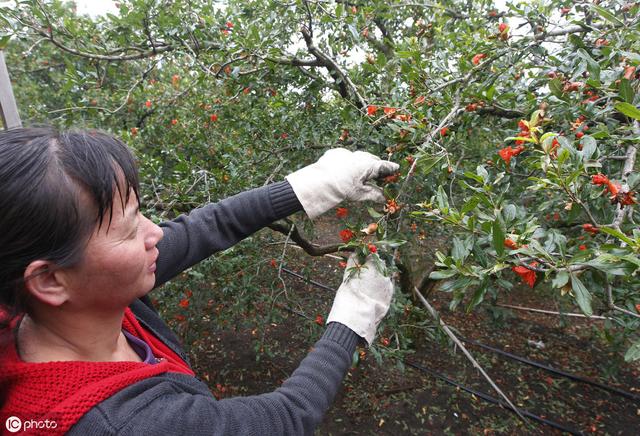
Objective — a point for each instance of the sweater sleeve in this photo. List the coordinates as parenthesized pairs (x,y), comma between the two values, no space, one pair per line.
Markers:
(217,226)
(179,404)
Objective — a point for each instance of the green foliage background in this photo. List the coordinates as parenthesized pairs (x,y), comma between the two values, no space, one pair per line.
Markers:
(216,98)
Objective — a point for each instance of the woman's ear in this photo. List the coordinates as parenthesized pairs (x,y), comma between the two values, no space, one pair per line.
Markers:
(43,283)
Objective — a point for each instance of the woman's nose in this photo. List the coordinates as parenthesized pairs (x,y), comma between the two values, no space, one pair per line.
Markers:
(153,234)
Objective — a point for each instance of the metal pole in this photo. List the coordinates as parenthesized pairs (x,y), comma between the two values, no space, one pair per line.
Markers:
(8,107)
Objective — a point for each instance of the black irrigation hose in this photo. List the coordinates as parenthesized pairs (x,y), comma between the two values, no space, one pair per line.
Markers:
(491,399)
(578,378)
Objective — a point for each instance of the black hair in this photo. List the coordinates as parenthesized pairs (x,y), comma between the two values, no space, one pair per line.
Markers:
(44,173)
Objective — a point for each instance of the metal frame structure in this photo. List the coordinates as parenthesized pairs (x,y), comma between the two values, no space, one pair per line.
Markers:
(8,106)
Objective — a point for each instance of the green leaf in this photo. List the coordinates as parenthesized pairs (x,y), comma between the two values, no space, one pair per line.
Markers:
(633,353)
(443,202)
(548,135)
(4,40)
(561,279)
(498,237)
(478,296)
(520,138)
(426,164)
(390,243)
(592,66)
(460,250)
(374,213)
(470,204)
(589,147)
(482,172)
(339,10)
(607,15)
(625,91)
(442,274)
(475,177)
(582,294)
(555,86)
(629,110)
(611,264)
(618,234)
(509,212)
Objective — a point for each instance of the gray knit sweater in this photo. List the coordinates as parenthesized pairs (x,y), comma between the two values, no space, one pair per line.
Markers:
(172,403)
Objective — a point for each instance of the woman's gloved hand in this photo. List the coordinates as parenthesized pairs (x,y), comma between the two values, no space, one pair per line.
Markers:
(339,175)
(363,298)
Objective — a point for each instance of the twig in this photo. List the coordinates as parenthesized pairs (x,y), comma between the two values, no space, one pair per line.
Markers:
(612,304)
(434,314)
(629,162)
(273,173)
(551,312)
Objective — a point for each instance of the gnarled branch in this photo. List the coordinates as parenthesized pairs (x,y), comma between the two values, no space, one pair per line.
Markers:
(286,227)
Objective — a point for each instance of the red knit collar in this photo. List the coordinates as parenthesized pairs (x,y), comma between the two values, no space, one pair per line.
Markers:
(64,391)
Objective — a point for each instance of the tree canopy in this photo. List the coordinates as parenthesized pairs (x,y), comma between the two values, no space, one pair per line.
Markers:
(517,126)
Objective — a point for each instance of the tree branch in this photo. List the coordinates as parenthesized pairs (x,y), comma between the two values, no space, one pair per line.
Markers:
(612,305)
(500,112)
(341,78)
(434,314)
(629,163)
(288,228)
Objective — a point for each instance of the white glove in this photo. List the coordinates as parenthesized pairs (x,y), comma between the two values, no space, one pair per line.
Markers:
(362,300)
(339,175)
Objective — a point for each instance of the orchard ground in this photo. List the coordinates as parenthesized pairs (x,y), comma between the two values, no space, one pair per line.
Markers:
(381,398)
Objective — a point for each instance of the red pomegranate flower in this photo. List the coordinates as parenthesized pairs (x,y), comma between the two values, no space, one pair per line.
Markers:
(346,235)
(600,179)
(527,275)
(507,153)
(342,212)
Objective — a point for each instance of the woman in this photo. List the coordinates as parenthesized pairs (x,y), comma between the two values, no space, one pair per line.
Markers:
(83,348)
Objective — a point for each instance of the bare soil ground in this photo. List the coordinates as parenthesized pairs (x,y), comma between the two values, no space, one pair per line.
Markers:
(388,399)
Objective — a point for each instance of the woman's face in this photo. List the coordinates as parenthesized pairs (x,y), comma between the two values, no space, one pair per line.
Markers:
(118,265)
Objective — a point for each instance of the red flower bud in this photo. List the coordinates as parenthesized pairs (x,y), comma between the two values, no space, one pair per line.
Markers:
(509,243)
(477,58)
